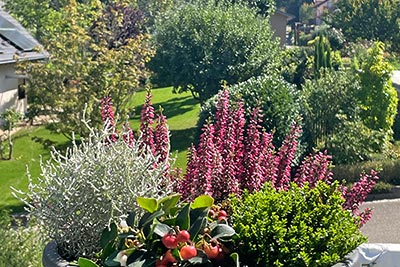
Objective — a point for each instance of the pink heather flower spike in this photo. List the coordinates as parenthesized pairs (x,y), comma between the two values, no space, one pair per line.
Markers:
(357,193)
(146,123)
(314,168)
(128,134)
(161,138)
(285,157)
(252,177)
(107,116)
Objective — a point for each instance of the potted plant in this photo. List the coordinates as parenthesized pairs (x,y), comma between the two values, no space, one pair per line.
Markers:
(95,182)
(169,233)
(110,175)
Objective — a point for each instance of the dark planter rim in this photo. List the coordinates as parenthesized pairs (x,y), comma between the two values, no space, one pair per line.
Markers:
(51,258)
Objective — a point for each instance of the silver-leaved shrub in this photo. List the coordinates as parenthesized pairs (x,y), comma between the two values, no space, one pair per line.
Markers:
(95,182)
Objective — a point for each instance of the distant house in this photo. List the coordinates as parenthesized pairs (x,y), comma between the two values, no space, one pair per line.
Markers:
(279,22)
(322,7)
(16,44)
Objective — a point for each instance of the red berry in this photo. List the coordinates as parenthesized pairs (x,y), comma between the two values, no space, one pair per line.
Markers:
(188,252)
(211,250)
(169,241)
(183,236)
(222,213)
(168,258)
(221,218)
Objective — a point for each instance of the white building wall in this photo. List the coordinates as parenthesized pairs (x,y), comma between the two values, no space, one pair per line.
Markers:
(9,90)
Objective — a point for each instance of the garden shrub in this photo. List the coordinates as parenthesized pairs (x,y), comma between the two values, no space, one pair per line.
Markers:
(20,245)
(202,43)
(98,180)
(378,98)
(297,64)
(389,170)
(278,100)
(382,187)
(335,36)
(368,19)
(332,118)
(352,141)
(233,156)
(298,227)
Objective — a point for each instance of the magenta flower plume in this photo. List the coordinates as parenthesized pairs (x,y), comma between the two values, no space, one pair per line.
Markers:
(146,123)
(285,157)
(252,178)
(314,168)
(357,193)
(161,138)
(108,119)
(128,134)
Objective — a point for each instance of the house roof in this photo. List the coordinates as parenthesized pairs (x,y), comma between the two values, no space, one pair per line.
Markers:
(287,15)
(320,3)
(16,43)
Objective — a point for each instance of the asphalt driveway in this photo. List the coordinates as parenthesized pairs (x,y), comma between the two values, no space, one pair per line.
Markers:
(384,226)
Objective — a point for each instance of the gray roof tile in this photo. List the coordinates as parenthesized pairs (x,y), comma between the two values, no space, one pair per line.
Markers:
(16,43)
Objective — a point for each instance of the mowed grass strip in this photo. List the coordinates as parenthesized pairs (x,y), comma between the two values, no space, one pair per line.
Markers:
(32,143)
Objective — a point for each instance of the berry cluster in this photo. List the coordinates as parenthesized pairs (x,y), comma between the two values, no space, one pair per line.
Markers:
(179,240)
(218,214)
(181,247)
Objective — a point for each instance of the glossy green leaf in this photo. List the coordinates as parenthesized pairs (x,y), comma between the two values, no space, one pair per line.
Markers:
(183,218)
(110,261)
(162,229)
(83,262)
(198,221)
(148,204)
(131,219)
(141,258)
(221,231)
(148,218)
(169,202)
(235,258)
(203,201)
(108,235)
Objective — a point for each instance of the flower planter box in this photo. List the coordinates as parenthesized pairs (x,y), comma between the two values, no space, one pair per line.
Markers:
(373,254)
(366,255)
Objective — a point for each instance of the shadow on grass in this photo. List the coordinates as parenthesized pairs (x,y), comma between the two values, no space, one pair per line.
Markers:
(13,209)
(182,139)
(173,107)
(48,144)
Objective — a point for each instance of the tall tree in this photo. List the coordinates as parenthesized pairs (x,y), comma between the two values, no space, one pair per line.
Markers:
(203,44)
(368,19)
(97,53)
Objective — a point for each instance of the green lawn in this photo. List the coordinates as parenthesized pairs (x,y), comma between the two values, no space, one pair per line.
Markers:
(29,144)
(181,111)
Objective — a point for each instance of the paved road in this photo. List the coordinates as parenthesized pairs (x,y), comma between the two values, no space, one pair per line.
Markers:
(384,226)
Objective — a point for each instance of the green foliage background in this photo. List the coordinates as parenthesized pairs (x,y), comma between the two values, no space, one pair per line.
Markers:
(200,45)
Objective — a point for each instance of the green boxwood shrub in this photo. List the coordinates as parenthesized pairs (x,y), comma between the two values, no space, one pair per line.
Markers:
(294,228)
